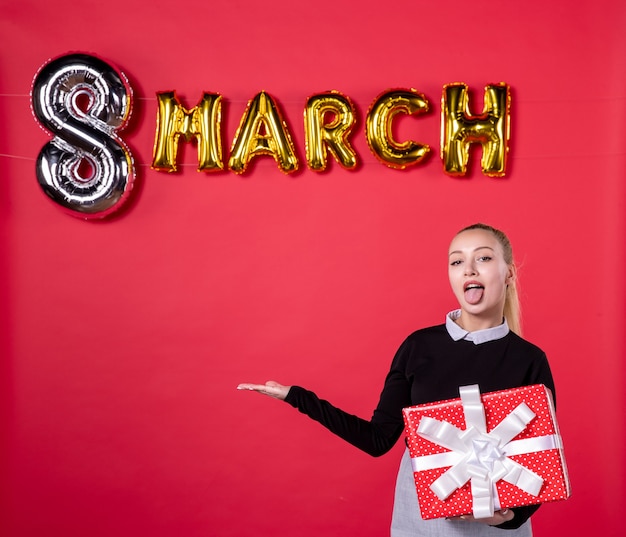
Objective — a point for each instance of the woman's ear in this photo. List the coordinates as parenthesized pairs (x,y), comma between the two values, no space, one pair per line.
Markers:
(511,274)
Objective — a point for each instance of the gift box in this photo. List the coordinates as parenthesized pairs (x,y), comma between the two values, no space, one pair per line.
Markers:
(484,452)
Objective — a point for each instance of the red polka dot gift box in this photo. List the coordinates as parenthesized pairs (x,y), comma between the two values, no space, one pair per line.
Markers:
(484,452)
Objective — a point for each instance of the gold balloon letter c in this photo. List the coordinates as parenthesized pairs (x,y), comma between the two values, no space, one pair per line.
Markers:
(379,128)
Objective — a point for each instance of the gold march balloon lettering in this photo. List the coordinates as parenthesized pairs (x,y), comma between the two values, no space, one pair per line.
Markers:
(329,120)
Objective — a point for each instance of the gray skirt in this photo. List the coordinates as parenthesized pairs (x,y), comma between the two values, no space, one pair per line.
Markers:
(406,520)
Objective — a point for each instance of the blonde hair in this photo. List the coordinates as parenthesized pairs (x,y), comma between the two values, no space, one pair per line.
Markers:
(512,308)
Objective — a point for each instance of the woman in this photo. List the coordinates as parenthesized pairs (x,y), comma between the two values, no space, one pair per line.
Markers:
(479,343)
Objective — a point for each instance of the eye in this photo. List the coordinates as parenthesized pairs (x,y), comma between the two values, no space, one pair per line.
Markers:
(455,262)
(484,258)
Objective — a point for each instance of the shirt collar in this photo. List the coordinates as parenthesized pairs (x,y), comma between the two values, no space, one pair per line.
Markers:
(479,336)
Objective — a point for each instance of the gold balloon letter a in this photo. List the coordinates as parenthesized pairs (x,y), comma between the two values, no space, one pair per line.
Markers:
(460,129)
(202,122)
(262,131)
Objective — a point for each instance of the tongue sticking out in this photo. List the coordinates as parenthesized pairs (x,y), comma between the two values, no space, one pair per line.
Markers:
(473,295)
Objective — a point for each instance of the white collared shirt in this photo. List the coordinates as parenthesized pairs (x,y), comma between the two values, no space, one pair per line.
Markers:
(477,337)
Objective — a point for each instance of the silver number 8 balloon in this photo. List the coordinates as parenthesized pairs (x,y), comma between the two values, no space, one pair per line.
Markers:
(83,102)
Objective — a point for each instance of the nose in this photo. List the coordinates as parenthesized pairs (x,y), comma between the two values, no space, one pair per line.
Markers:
(470,269)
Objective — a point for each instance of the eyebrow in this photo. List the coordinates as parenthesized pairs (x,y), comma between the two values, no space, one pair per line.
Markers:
(475,250)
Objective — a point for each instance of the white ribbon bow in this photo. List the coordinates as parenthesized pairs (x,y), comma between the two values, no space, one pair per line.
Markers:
(481,457)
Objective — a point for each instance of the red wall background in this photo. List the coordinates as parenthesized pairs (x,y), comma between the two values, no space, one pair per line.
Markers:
(122,340)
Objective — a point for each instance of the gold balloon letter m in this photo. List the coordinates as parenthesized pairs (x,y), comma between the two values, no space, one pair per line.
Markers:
(460,129)
(202,122)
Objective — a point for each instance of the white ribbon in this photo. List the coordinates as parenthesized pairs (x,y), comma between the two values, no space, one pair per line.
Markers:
(481,457)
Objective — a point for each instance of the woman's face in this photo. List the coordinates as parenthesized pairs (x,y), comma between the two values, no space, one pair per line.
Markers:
(479,276)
